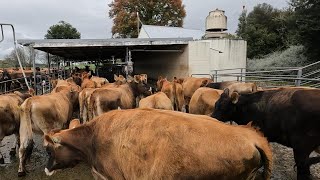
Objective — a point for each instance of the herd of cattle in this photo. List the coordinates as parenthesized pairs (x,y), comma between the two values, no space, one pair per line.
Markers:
(127,131)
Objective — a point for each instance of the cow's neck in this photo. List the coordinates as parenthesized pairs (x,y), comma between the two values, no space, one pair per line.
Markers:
(249,108)
(80,139)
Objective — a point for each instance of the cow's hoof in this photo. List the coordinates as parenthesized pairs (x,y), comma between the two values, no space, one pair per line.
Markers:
(1,161)
(22,174)
(12,152)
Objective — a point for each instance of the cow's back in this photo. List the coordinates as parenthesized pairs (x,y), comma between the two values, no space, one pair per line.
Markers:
(152,144)
(203,100)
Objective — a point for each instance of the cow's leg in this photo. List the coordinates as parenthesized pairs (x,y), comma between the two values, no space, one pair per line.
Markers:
(17,143)
(301,157)
(1,157)
(25,150)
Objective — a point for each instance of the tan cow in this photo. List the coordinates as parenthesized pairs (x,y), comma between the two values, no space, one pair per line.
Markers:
(160,144)
(41,114)
(173,90)
(100,81)
(203,101)
(156,101)
(84,96)
(243,88)
(74,123)
(123,96)
(10,117)
(86,82)
(190,85)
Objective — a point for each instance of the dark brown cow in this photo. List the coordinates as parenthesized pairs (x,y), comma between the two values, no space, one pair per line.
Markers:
(160,144)
(10,117)
(41,114)
(190,85)
(289,116)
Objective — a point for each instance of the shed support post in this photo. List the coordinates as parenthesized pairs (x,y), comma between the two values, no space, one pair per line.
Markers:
(33,59)
(49,71)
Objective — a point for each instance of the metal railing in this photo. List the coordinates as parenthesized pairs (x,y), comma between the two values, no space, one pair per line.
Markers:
(273,77)
(15,48)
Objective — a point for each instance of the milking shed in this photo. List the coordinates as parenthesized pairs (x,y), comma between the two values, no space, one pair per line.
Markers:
(158,51)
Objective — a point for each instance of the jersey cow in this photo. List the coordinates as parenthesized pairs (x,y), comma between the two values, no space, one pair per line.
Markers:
(123,96)
(10,117)
(84,96)
(173,90)
(43,113)
(289,116)
(156,101)
(190,85)
(160,144)
(203,101)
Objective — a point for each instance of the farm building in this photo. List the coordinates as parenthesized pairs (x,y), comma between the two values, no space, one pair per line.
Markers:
(166,51)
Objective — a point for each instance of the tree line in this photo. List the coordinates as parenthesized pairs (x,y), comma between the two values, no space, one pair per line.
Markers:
(267,29)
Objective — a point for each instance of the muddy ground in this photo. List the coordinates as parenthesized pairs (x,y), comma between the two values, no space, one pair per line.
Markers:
(282,169)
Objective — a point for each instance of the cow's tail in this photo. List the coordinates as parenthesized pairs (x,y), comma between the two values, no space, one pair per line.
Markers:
(266,159)
(91,103)
(175,98)
(26,134)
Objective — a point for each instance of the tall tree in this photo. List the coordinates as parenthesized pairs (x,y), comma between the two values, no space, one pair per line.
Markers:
(308,25)
(267,29)
(62,30)
(151,12)
(241,31)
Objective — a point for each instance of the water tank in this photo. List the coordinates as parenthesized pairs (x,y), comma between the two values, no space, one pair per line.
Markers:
(216,21)
(216,24)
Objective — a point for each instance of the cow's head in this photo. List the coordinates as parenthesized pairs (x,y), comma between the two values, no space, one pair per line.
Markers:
(61,154)
(139,87)
(226,106)
(160,82)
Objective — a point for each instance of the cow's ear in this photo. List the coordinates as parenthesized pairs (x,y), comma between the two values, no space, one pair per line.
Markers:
(235,97)
(226,91)
(115,77)
(47,139)
(130,78)
(136,78)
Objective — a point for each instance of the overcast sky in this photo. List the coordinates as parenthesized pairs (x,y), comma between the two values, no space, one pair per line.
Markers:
(32,18)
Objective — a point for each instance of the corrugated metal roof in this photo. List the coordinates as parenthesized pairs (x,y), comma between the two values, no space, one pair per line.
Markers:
(171,32)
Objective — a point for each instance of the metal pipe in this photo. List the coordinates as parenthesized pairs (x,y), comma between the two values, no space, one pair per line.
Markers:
(2,37)
(15,49)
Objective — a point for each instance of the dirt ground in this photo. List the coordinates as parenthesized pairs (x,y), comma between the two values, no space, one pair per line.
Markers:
(283,167)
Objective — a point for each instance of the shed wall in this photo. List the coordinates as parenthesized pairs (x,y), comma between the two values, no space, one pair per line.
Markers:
(162,64)
(203,60)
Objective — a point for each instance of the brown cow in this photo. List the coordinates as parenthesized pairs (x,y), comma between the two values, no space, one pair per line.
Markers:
(84,96)
(41,114)
(123,96)
(234,86)
(160,144)
(156,101)
(10,117)
(190,85)
(173,90)
(74,123)
(203,101)
(86,82)
(100,81)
